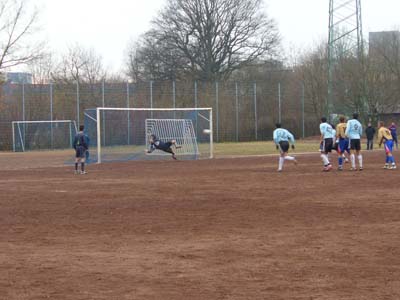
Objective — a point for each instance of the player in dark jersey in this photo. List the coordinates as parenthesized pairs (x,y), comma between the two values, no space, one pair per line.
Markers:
(81,146)
(156,143)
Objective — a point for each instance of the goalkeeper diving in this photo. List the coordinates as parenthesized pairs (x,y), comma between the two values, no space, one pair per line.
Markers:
(157,144)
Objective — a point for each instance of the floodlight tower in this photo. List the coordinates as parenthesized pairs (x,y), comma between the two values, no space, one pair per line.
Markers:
(345,38)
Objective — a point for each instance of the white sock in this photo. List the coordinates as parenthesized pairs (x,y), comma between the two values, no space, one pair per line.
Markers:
(289,157)
(360,161)
(325,159)
(281,161)
(353,161)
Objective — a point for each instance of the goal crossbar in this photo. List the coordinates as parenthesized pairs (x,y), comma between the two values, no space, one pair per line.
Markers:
(153,109)
(33,122)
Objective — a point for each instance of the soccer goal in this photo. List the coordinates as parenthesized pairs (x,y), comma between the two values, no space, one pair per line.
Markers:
(123,133)
(43,135)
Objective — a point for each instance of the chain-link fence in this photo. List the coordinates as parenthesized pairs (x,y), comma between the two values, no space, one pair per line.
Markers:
(242,111)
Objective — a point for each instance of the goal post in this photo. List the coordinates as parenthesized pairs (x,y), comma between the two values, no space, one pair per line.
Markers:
(42,135)
(119,134)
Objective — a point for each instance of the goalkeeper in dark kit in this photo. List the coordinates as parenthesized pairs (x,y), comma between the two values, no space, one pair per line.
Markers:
(157,144)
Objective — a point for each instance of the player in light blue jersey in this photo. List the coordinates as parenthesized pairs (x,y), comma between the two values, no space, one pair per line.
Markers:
(282,137)
(353,133)
(326,140)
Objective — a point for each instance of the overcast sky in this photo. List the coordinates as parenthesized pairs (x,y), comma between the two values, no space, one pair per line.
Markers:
(109,25)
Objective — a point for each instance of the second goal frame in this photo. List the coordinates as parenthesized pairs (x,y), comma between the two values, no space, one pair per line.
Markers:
(19,135)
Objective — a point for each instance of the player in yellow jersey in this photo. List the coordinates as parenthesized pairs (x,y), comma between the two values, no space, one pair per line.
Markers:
(342,141)
(385,137)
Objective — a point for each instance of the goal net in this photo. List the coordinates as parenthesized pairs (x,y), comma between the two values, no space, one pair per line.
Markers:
(181,131)
(43,135)
(123,133)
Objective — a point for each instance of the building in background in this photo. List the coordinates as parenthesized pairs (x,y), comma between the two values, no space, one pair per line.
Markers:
(384,53)
(17,77)
(384,44)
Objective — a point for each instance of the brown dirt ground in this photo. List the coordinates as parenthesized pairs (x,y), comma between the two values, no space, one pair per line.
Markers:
(210,229)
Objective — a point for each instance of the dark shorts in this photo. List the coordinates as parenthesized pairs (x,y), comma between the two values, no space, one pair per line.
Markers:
(355,145)
(165,147)
(168,145)
(327,145)
(80,152)
(284,146)
(336,147)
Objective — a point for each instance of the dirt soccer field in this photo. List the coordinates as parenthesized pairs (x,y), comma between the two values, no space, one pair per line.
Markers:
(210,229)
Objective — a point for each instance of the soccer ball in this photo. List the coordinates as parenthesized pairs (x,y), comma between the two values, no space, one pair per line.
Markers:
(206,131)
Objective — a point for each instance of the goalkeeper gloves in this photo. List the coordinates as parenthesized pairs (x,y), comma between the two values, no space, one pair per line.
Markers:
(293,147)
(277,147)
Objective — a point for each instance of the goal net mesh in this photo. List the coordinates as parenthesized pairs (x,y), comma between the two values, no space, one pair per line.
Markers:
(181,131)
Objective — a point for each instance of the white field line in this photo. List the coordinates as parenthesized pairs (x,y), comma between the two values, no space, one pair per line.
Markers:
(290,153)
(266,155)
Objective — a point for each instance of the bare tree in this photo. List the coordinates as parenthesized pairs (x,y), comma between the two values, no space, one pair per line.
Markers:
(209,39)
(16,26)
(312,71)
(349,91)
(80,65)
(133,62)
(383,75)
(150,58)
(42,68)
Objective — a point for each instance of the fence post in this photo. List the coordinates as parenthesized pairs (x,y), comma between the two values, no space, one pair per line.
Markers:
(13,135)
(98,136)
(279,103)
(70,135)
(195,106)
(23,110)
(237,111)
(23,102)
(302,110)
(255,111)
(174,97)
(77,104)
(103,102)
(151,97)
(217,108)
(51,114)
(129,114)
(195,95)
